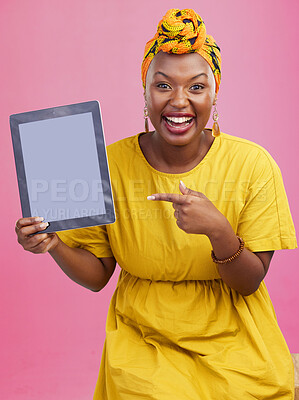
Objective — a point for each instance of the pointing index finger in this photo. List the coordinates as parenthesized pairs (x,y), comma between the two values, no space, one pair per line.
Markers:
(171,197)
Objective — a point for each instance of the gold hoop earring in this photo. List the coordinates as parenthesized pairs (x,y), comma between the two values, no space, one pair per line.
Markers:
(145,113)
(215,129)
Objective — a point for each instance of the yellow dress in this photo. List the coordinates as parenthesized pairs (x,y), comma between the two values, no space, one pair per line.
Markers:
(175,330)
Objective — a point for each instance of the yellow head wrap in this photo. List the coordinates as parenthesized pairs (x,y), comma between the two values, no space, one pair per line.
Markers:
(180,32)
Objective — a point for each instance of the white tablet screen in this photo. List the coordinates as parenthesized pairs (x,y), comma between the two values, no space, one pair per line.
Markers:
(58,185)
(62,166)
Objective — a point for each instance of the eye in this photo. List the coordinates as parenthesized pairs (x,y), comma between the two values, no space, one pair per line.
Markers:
(163,85)
(197,87)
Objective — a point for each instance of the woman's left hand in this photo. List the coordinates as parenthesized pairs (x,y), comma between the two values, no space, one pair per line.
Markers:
(194,212)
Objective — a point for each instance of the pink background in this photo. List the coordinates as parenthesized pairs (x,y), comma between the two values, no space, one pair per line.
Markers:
(56,52)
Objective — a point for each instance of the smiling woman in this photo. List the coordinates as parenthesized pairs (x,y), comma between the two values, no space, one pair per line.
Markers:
(179,93)
(199,216)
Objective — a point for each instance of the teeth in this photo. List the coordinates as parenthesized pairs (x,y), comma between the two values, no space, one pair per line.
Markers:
(179,120)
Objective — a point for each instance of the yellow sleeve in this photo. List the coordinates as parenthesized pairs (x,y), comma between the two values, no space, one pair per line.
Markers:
(94,239)
(265,222)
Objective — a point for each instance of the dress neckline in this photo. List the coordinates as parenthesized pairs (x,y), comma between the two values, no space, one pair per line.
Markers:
(209,154)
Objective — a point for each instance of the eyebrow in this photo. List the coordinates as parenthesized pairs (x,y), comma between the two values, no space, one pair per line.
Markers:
(194,77)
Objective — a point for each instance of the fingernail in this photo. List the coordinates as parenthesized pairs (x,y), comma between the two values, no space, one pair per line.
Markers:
(39,219)
(151,197)
(44,225)
(182,183)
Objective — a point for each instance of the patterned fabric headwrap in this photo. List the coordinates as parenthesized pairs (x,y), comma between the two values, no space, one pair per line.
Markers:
(181,32)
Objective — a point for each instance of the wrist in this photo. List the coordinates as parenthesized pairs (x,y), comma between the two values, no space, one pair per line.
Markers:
(221,230)
(57,243)
(230,258)
(224,241)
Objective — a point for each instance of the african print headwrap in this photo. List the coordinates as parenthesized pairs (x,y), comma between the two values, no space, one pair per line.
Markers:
(180,32)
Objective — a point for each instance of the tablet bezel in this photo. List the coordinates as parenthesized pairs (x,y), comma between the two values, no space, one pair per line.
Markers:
(92,107)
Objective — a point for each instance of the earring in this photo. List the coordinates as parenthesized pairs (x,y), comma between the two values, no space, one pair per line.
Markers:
(215,128)
(145,113)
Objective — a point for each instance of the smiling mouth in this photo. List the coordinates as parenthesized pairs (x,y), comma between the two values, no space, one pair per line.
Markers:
(178,122)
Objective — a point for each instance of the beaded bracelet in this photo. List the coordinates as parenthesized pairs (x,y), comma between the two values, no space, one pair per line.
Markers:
(231,258)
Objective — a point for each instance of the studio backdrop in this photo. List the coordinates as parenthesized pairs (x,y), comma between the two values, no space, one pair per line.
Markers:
(57,52)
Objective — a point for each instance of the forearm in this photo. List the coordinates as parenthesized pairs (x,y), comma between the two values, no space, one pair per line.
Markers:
(81,266)
(245,273)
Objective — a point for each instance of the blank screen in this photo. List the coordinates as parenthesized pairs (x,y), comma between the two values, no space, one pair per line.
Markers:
(62,167)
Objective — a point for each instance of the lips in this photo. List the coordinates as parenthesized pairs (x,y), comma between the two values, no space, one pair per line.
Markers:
(178,123)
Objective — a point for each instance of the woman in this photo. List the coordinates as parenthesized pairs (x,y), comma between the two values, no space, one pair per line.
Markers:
(184,323)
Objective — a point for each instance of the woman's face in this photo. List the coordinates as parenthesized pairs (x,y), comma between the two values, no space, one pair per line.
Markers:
(180,93)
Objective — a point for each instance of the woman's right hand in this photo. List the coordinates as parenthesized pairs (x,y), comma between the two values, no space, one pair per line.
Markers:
(40,243)
(78,264)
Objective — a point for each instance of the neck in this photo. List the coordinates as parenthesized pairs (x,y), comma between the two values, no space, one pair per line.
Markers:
(179,159)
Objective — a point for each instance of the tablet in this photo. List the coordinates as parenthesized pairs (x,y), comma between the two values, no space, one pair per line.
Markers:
(62,168)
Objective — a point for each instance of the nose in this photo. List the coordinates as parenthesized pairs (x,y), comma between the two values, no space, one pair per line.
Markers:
(179,98)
